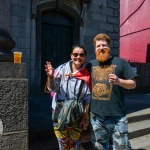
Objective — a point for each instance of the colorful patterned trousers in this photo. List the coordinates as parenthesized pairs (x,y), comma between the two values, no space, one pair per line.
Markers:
(68,139)
(105,128)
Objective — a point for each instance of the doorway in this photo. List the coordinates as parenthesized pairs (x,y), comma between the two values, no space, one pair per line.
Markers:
(56,40)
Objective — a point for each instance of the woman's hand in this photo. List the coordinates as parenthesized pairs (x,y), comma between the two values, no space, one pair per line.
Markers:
(50,83)
(84,122)
(49,70)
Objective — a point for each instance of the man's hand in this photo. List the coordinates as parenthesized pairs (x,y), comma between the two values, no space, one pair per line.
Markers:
(113,79)
(127,84)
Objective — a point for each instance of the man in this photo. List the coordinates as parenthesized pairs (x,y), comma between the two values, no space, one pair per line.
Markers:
(110,75)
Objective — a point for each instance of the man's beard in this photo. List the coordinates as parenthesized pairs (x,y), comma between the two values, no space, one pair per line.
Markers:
(103,55)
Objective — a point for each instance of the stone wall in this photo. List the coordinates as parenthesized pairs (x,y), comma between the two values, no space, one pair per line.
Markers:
(98,16)
(13,106)
(6,41)
(101,16)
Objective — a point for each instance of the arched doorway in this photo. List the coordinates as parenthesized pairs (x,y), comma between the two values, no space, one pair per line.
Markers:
(57,31)
(56,40)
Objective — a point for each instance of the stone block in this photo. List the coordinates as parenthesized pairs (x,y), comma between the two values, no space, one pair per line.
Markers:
(106,11)
(12,70)
(113,4)
(116,13)
(13,106)
(14,141)
(113,20)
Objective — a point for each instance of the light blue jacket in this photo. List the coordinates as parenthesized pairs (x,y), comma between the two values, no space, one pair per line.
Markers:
(67,87)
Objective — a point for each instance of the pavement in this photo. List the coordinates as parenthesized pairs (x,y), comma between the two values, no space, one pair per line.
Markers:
(135,102)
(141,143)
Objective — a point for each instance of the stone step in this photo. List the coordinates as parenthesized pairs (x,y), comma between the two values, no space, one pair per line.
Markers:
(140,128)
(138,125)
(139,115)
(136,129)
(142,142)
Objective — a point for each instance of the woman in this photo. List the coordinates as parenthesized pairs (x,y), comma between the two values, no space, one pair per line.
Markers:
(65,81)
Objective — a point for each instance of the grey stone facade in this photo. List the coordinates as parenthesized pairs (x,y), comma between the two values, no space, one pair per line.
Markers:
(101,16)
(13,106)
(6,41)
(95,16)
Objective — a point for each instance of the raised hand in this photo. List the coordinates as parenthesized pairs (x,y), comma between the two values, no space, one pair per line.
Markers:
(49,70)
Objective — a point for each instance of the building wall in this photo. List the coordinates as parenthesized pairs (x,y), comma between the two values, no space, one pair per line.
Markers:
(101,16)
(135,31)
(5,11)
(98,16)
(22,30)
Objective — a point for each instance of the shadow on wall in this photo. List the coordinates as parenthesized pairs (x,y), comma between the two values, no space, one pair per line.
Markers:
(148,53)
(40,114)
(137,101)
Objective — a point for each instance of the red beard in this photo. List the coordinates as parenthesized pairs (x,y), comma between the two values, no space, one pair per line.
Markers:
(103,55)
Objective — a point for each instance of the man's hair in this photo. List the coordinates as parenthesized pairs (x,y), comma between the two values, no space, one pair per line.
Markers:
(101,37)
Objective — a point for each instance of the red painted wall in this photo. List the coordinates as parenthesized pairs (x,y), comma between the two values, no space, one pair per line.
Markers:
(135,30)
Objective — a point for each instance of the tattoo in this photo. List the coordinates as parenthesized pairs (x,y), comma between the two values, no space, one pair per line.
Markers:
(52,85)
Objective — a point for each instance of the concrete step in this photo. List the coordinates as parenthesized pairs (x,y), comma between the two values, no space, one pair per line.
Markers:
(139,134)
(139,123)
(142,142)
(138,129)
(139,115)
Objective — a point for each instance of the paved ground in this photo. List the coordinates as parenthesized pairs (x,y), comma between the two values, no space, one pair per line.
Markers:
(134,103)
(137,101)
(43,144)
(141,143)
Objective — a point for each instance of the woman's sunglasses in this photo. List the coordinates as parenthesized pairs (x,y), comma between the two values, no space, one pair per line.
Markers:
(78,54)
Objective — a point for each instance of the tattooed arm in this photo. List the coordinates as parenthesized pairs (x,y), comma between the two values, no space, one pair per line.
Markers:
(50,83)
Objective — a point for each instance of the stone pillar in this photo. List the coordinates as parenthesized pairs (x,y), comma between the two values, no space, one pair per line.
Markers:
(13,106)
(6,42)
